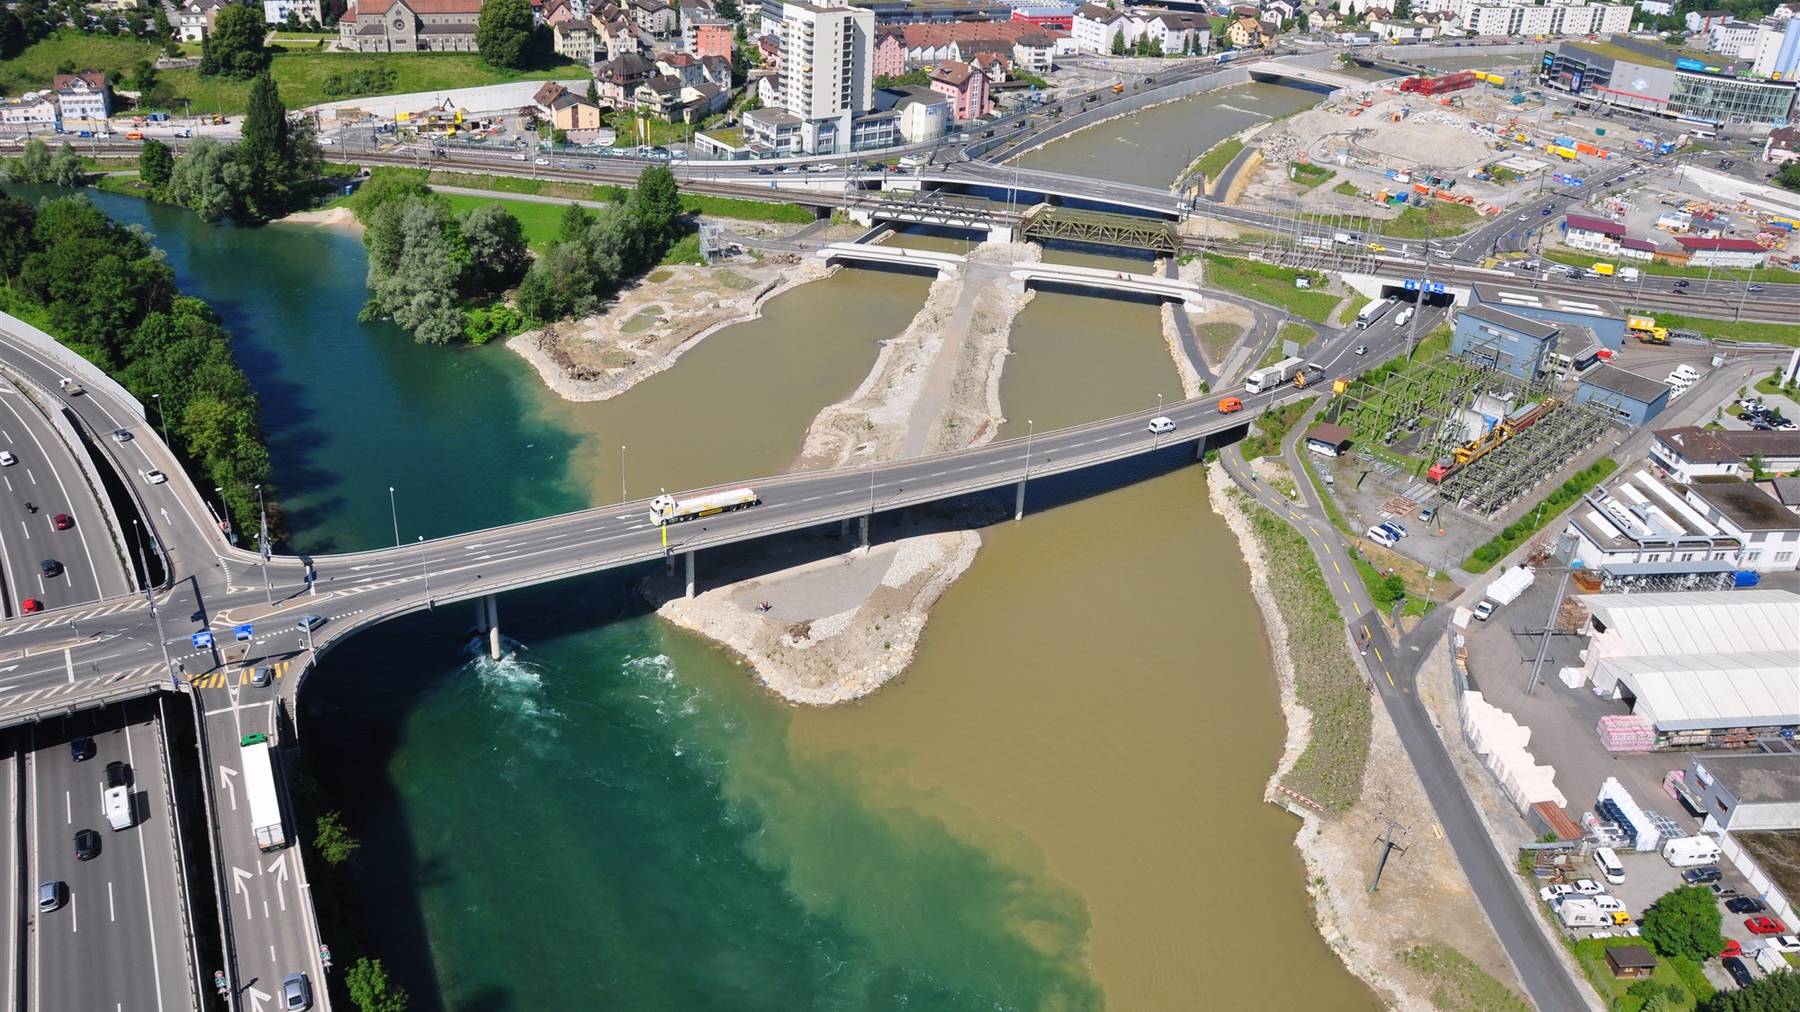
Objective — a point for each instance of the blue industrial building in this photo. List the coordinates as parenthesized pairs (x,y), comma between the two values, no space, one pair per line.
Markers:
(1516,345)
(1631,398)
(1602,316)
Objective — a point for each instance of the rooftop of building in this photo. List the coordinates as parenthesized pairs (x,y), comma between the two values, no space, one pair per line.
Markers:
(1519,299)
(1744,504)
(1587,223)
(1637,509)
(1626,384)
(1701,243)
(1618,47)
(1699,445)
(1757,777)
(1497,317)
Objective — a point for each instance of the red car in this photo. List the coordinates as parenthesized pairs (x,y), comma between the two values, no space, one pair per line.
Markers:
(1765,926)
(1732,948)
(30,605)
(62,521)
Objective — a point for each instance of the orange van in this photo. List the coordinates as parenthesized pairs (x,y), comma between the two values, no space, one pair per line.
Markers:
(1229,404)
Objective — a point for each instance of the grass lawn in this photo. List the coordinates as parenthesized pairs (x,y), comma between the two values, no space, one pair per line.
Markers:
(1217,337)
(1347,188)
(1768,385)
(301,75)
(1352,305)
(1212,163)
(1271,284)
(695,203)
(1458,985)
(539,221)
(1271,427)
(1731,330)
(1300,334)
(1452,219)
(1591,954)
(1307,174)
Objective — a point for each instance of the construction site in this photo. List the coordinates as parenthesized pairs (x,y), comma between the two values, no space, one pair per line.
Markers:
(1458,433)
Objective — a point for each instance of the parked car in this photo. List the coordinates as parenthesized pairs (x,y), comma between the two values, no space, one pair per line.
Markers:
(1554,890)
(1398,528)
(1740,974)
(1784,943)
(1746,905)
(1588,887)
(1484,611)
(1700,876)
(1765,925)
(1733,947)
(1426,514)
(87,845)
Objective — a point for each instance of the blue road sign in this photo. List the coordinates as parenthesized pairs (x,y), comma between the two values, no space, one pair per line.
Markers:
(243,632)
(202,639)
(1411,285)
(1437,288)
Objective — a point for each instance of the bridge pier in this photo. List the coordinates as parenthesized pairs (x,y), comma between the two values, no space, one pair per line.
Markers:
(1019,502)
(487,622)
(689,557)
(865,531)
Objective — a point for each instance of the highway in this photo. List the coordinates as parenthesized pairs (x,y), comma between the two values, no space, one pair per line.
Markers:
(47,476)
(118,941)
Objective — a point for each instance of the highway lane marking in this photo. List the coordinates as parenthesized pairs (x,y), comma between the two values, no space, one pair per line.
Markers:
(1338,568)
(68,809)
(112,911)
(1347,589)
(69,663)
(1389,674)
(1378,655)
(33,477)
(26,528)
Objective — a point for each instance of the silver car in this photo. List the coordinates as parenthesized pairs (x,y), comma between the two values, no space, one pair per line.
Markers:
(296,992)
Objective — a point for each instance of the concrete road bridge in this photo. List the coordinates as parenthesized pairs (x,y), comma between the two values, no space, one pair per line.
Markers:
(1294,73)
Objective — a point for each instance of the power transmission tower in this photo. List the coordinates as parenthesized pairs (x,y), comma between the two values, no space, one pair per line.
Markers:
(1388,848)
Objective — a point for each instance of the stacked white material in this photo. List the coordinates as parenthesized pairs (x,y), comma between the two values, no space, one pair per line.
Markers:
(1648,836)
(1621,732)
(1500,740)
(1572,677)
(1510,585)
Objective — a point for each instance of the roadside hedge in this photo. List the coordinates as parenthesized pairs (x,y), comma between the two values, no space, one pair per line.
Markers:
(1528,524)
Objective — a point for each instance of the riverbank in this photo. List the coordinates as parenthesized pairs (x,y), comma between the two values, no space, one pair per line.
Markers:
(1371,932)
(650,324)
(341,218)
(822,631)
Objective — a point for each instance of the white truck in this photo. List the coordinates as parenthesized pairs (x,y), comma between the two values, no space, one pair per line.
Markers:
(115,796)
(266,824)
(1270,377)
(1581,912)
(666,509)
(1404,315)
(1628,274)
(1373,312)
(1691,851)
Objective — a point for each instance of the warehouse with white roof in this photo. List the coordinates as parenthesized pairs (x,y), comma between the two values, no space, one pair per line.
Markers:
(1715,669)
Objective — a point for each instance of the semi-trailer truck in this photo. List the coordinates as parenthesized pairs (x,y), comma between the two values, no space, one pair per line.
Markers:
(266,824)
(1270,377)
(1373,312)
(666,509)
(1644,328)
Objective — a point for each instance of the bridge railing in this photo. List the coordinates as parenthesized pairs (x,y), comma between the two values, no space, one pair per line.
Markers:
(73,365)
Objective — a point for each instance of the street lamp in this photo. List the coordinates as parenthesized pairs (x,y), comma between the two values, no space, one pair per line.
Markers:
(394,512)
(263,508)
(150,599)
(225,505)
(621,472)
(162,416)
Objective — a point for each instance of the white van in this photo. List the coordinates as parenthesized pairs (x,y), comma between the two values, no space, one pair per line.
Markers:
(1380,536)
(1608,863)
(1690,851)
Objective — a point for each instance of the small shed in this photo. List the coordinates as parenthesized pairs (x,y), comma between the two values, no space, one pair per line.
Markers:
(1328,439)
(1630,962)
(1631,398)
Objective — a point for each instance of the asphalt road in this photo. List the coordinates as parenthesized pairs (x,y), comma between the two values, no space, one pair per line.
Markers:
(46,475)
(1392,671)
(118,942)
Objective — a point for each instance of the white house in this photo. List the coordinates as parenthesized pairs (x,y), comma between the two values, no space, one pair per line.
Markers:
(31,112)
(276,12)
(1769,533)
(1095,27)
(86,98)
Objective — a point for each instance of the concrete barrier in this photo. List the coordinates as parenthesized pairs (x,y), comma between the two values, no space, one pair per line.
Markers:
(73,365)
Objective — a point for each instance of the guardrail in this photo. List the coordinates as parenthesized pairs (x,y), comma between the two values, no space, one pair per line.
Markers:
(221,878)
(77,367)
(178,846)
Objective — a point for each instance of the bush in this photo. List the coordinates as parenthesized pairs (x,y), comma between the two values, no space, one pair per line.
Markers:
(333,842)
(373,81)
(484,323)
(1517,532)
(1685,922)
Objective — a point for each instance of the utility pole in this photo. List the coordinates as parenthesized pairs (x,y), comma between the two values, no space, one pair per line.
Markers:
(268,588)
(156,616)
(1388,848)
(1565,545)
(1412,330)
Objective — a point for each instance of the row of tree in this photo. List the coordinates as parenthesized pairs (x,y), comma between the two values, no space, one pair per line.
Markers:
(35,164)
(441,275)
(260,177)
(106,293)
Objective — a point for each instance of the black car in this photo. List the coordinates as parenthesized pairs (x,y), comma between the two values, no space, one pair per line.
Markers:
(117,775)
(81,749)
(1745,905)
(51,567)
(1740,974)
(1700,876)
(87,845)
(1681,283)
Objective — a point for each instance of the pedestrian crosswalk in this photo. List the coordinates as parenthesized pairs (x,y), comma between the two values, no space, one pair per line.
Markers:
(240,676)
(68,617)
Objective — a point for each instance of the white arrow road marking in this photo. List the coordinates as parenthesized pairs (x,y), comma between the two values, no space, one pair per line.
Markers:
(230,786)
(279,868)
(257,998)
(165,514)
(238,877)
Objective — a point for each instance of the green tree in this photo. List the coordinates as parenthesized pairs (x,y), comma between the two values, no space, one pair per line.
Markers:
(18,220)
(1778,992)
(497,254)
(235,48)
(656,203)
(574,224)
(1789,176)
(727,9)
(207,180)
(371,990)
(593,91)
(1118,44)
(32,165)
(155,163)
(560,284)
(385,186)
(159,21)
(65,168)
(333,842)
(413,269)
(1403,10)
(503,33)
(1685,922)
(12,35)
(266,150)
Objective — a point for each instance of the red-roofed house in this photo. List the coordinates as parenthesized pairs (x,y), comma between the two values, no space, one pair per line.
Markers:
(1700,252)
(1637,249)
(1596,234)
(964,86)
(410,26)
(1783,145)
